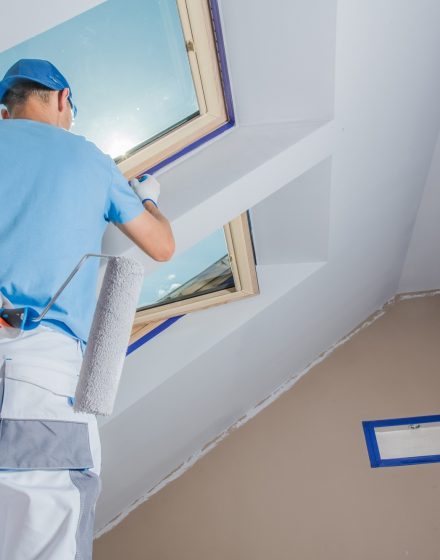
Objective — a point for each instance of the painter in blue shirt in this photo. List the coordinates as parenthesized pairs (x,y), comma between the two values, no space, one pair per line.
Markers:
(58,192)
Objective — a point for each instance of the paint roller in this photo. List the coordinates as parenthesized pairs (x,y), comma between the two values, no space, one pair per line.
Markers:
(109,334)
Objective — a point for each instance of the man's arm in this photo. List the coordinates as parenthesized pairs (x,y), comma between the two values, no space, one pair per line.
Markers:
(152,232)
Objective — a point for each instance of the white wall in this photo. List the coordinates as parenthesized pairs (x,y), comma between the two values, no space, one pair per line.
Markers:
(281,54)
(386,122)
(422,265)
(351,189)
(23,19)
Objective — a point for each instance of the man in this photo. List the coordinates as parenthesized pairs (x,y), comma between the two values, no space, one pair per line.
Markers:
(58,193)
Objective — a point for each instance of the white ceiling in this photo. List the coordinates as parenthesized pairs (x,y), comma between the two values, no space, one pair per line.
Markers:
(337,118)
(366,170)
(32,18)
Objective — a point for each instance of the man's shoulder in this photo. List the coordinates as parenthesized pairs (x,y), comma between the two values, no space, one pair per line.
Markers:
(59,136)
(87,145)
(61,150)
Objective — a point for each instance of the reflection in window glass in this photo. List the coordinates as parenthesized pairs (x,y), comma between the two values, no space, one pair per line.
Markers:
(128,68)
(203,269)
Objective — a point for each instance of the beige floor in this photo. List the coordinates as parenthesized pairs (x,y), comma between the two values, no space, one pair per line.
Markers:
(294,483)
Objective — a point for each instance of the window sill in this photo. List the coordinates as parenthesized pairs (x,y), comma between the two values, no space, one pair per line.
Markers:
(195,333)
(210,186)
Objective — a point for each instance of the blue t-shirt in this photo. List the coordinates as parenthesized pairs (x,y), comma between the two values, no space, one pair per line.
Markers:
(58,192)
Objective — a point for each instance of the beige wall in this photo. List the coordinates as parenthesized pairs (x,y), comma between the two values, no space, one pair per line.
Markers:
(295,481)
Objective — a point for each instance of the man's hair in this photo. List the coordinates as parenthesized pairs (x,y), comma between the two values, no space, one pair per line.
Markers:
(18,94)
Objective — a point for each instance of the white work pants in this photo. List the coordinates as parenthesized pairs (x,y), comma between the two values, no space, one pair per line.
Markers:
(50,456)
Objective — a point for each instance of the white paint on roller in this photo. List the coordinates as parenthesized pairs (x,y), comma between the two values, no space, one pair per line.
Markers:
(24,19)
(395,442)
(108,339)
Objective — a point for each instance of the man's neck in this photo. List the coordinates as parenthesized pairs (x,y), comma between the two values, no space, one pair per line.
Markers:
(35,111)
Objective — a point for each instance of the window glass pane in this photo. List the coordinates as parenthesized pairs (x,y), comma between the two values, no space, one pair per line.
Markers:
(204,268)
(128,68)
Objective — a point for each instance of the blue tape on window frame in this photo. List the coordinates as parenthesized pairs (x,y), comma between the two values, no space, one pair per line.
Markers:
(373,449)
(227,93)
(151,334)
(230,123)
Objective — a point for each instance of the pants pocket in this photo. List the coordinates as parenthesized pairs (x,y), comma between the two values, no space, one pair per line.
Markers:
(45,358)
(22,399)
(42,422)
(44,444)
(34,430)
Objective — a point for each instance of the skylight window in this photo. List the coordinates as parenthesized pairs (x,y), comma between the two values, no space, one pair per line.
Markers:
(219,269)
(146,78)
(204,269)
(142,91)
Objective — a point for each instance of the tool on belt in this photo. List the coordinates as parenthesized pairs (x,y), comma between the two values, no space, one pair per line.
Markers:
(109,335)
(14,320)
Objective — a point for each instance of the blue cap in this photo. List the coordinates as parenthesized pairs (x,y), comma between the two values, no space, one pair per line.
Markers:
(36,70)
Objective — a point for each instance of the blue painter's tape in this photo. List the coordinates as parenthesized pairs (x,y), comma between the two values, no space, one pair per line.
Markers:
(230,123)
(152,334)
(227,92)
(373,448)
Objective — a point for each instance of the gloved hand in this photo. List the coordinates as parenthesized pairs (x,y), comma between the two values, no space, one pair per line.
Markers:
(146,187)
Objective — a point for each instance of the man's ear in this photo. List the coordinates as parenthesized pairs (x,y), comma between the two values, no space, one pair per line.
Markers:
(5,114)
(63,94)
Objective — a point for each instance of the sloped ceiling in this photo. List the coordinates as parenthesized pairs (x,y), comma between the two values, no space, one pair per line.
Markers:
(337,118)
(23,19)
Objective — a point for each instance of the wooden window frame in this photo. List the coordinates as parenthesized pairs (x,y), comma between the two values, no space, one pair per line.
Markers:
(241,254)
(198,31)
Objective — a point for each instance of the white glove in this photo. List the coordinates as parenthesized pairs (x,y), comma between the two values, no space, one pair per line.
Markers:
(146,187)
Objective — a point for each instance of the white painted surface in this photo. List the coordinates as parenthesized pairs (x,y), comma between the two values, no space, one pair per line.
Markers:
(422,264)
(281,57)
(214,186)
(387,120)
(367,169)
(23,19)
(300,231)
(274,281)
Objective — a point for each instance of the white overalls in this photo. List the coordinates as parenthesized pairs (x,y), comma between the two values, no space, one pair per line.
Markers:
(50,456)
